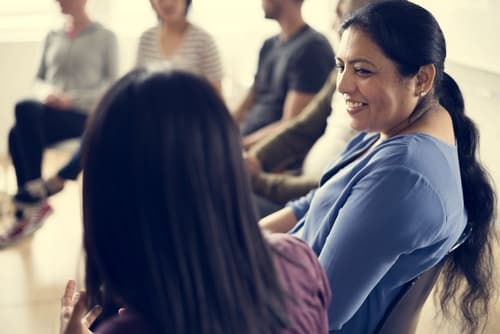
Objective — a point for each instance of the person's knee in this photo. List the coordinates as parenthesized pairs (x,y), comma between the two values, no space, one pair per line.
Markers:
(12,137)
(26,109)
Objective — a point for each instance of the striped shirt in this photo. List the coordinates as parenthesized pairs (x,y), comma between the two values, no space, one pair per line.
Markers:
(197,54)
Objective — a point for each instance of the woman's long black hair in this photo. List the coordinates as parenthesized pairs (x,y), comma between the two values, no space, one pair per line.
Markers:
(411,37)
(170,230)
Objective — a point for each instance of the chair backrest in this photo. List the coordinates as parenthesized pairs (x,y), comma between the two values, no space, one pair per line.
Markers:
(402,316)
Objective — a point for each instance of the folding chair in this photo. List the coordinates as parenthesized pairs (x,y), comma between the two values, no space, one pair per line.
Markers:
(403,315)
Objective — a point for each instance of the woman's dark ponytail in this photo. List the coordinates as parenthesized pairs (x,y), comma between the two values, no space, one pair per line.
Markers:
(473,260)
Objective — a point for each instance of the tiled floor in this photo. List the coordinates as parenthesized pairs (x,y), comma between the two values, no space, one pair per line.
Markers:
(34,271)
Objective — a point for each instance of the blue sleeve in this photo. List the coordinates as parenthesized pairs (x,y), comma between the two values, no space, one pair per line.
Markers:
(311,67)
(389,212)
(301,205)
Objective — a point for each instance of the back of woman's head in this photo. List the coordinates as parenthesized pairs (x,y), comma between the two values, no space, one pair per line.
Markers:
(169,225)
(411,37)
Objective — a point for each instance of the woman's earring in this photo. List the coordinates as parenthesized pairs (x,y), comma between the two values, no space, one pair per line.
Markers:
(422,93)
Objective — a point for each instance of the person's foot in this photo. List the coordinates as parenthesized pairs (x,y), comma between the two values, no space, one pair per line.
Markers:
(38,190)
(27,221)
(54,185)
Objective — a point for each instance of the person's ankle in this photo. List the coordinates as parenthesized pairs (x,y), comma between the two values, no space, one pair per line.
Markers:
(35,188)
(55,184)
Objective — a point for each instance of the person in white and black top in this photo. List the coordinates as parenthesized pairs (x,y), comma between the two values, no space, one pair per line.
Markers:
(179,44)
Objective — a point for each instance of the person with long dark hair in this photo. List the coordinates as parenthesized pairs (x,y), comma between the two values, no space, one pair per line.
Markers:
(403,191)
(170,229)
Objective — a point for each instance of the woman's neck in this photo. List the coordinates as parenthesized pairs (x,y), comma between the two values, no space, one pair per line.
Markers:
(176,28)
(411,124)
(171,38)
(434,120)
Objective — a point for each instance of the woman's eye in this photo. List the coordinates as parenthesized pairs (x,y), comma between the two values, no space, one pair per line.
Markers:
(362,71)
(340,67)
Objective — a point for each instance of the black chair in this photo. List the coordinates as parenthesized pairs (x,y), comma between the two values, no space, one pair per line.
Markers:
(403,315)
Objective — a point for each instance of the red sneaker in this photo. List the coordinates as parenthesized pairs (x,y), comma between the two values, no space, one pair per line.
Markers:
(27,222)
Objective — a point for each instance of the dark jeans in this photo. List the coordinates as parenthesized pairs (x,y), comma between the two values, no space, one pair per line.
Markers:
(72,168)
(37,127)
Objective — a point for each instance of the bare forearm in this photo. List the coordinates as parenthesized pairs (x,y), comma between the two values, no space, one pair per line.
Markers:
(295,139)
(281,188)
(245,105)
(257,136)
(280,221)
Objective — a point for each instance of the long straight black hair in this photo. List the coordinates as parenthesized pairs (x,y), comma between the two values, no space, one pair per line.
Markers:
(411,37)
(170,230)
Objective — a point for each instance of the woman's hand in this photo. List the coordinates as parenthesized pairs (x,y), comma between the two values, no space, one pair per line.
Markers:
(74,318)
(60,101)
(252,163)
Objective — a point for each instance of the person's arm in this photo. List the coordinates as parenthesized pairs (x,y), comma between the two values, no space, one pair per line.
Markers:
(296,138)
(147,37)
(282,187)
(304,278)
(285,219)
(211,63)
(240,112)
(295,102)
(389,213)
(41,89)
(74,317)
(280,221)
(217,85)
(308,70)
(60,101)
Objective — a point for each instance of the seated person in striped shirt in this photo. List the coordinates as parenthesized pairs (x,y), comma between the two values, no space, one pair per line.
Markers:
(179,44)
(181,251)
(173,43)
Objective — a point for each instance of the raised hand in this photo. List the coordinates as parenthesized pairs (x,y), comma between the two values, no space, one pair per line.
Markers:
(74,317)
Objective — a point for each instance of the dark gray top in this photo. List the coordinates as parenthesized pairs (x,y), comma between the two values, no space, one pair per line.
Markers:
(302,63)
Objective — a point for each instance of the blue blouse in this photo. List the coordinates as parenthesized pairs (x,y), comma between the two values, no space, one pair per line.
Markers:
(393,215)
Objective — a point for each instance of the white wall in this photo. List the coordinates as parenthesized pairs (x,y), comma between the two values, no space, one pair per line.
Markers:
(237,25)
(471,28)
(18,62)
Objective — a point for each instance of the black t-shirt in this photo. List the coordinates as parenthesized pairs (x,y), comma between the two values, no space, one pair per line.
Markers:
(302,63)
